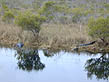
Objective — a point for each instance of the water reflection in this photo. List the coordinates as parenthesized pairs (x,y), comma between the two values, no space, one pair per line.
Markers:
(29,60)
(50,53)
(98,67)
(60,66)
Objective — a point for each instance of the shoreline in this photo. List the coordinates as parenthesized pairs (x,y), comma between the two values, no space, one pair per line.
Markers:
(91,48)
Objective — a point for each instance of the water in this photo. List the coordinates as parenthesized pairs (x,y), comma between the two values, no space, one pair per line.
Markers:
(48,66)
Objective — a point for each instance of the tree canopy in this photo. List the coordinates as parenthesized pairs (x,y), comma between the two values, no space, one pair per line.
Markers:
(99,28)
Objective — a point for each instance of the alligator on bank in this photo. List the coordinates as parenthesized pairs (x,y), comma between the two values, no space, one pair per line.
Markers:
(82,45)
(90,43)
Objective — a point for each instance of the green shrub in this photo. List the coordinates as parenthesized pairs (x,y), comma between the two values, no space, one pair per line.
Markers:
(48,10)
(8,16)
(29,21)
(106,5)
(5,7)
(99,28)
(76,18)
(77,14)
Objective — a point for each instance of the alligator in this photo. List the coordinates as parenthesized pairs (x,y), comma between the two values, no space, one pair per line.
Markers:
(90,43)
(80,45)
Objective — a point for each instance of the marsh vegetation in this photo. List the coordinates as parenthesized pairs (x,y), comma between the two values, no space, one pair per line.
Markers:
(58,24)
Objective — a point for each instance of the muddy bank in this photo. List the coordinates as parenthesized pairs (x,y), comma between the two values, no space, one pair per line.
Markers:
(95,49)
(56,47)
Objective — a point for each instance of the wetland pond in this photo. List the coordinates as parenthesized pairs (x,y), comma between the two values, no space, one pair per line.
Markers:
(46,66)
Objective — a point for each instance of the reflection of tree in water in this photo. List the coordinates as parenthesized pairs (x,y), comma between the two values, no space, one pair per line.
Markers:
(98,67)
(50,53)
(29,60)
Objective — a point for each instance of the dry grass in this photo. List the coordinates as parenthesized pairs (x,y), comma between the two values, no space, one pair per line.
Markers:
(50,36)
(11,34)
(60,35)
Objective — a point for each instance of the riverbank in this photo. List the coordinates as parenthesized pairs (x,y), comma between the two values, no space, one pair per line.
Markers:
(51,36)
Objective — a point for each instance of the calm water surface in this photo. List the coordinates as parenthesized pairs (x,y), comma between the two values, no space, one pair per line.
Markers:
(46,66)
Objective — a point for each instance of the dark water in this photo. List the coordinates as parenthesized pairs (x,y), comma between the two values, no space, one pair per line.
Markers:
(48,66)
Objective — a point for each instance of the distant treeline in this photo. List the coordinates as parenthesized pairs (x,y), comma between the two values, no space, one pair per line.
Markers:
(61,11)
